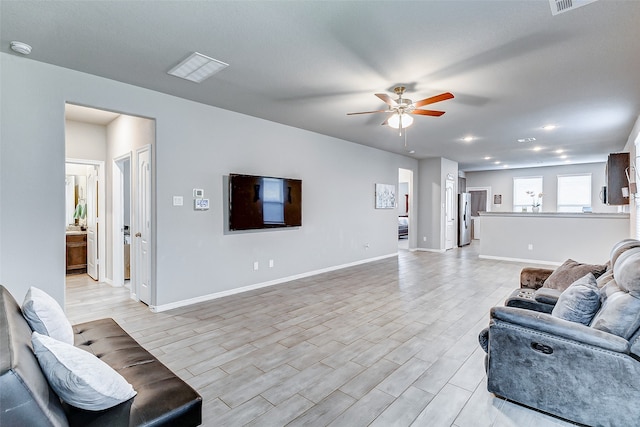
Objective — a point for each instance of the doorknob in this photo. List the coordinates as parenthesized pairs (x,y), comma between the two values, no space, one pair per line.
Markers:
(138,234)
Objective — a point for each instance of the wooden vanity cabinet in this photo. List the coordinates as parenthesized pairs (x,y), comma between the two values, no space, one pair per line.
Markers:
(76,253)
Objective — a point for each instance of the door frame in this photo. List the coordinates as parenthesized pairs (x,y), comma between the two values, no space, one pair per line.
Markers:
(117,221)
(102,232)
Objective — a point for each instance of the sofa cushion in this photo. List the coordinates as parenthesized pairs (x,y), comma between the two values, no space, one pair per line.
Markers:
(619,315)
(579,302)
(627,271)
(45,316)
(78,377)
(569,272)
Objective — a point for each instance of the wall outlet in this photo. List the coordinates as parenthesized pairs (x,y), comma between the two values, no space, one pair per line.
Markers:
(530,247)
(424,238)
(256,266)
(270,263)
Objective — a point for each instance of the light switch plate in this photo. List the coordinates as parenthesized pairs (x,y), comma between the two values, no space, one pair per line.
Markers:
(177,201)
(198,193)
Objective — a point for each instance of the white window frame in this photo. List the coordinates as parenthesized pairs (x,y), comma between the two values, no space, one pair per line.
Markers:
(526,207)
(575,207)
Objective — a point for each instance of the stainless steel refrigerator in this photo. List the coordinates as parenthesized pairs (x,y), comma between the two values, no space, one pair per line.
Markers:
(464,219)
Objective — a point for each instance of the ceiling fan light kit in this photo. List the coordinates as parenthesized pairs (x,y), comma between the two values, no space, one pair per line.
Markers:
(402,108)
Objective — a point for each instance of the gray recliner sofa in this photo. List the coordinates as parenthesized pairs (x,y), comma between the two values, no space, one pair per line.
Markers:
(587,373)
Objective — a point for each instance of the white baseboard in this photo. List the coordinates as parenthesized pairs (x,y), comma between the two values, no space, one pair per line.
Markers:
(439,251)
(528,261)
(209,297)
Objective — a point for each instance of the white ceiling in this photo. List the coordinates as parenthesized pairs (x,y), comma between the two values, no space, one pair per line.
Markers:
(512,66)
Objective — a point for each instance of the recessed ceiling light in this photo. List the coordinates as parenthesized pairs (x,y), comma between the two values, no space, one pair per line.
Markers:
(564,156)
(567,161)
(549,127)
(197,67)
(412,151)
(467,139)
(21,48)
(526,139)
(487,158)
(538,148)
(559,151)
(505,166)
(497,162)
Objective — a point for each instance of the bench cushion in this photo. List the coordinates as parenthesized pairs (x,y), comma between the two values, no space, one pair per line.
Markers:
(162,399)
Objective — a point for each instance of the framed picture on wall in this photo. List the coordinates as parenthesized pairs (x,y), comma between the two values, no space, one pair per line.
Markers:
(385,196)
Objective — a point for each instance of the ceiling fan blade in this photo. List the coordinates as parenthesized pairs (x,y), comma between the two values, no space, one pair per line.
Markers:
(387,99)
(433,113)
(434,99)
(367,112)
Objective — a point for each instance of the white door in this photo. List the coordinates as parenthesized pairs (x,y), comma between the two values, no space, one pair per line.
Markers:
(450,217)
(142,236)
(92,222)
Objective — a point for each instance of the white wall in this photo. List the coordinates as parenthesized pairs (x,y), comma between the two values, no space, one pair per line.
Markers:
(197,146)
(501,182)
(85,141)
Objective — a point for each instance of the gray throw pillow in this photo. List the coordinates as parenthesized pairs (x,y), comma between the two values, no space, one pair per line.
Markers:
(78,377)
(569,272)
(579,302)
(44,315)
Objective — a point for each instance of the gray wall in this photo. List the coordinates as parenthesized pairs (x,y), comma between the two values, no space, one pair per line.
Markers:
(197,146)
(501,182)
(431,197)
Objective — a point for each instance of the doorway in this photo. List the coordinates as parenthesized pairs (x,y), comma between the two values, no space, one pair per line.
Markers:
(121,247)
(119,141)
(479,203)
(84,217)
(405,209)
(450,214)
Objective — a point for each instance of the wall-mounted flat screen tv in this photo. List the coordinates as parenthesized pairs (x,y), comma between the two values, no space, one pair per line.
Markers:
(257,202)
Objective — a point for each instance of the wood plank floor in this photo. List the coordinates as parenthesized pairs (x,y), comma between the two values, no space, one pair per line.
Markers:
(388,343)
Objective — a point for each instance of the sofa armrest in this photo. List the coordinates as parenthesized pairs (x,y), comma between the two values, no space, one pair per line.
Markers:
(533,278)
(545,323)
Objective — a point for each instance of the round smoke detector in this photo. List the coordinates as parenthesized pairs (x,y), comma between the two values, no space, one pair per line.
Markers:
(20,47)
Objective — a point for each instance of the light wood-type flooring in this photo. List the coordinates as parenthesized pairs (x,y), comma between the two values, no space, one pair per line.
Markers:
(387,343)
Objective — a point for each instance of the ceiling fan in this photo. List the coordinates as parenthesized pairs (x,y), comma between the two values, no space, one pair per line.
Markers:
(402,108)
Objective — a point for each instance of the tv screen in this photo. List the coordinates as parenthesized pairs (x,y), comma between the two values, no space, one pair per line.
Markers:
(257,202)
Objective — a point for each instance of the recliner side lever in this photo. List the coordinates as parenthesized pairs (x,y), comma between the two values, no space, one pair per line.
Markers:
(542,348)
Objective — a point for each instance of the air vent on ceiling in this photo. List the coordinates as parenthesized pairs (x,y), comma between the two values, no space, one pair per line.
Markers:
(559,6)
(197,67)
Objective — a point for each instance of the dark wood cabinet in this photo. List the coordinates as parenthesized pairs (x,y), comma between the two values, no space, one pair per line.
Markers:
(76,253)
(616,178)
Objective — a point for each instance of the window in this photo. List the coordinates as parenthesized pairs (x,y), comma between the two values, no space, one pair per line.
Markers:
(574,192)
(527,192)
(273,196)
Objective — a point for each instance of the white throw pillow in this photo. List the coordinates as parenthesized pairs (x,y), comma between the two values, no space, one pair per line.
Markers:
(45,316)
(78,377)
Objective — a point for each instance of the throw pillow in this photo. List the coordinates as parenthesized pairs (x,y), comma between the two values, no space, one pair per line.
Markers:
(619,315)
(45,316)
(579,302)
(569,272)
(78,377)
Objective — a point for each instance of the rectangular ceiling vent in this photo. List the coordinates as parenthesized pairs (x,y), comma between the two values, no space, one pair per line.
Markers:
(197,67)
(560,6)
